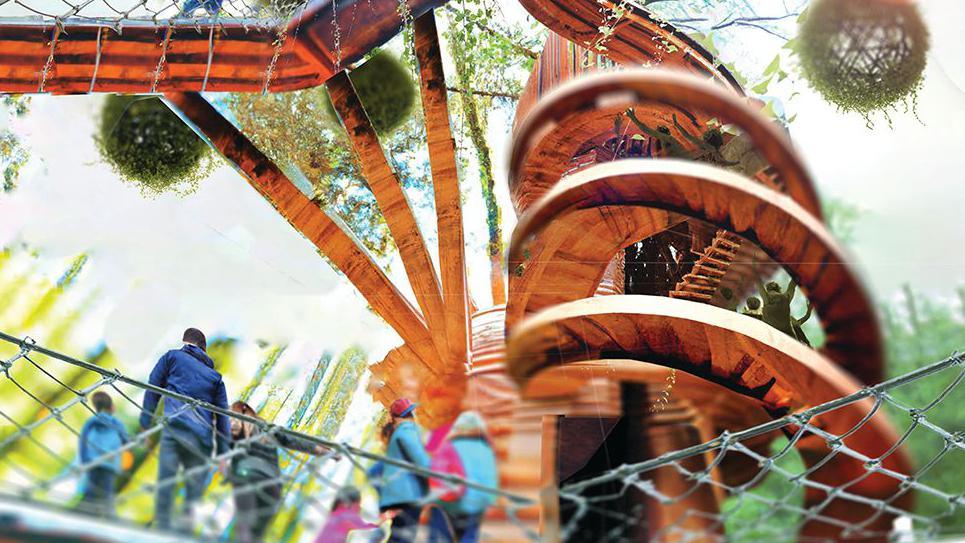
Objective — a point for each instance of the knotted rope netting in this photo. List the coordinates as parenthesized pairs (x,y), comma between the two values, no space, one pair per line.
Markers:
(39,442)
(118,13)
(38,467)
(768,505)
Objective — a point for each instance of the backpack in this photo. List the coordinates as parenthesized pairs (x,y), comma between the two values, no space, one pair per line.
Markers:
(446,460)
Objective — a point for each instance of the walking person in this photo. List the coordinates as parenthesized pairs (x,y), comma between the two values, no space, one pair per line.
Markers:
(402,491)
(471,442)
(445,459)
(346,518)
(256,474)
(190,434)
(101,435)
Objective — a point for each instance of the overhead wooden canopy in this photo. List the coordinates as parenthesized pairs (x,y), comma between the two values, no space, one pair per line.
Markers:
(580,110)
(82,55)
(784,230)
(744,355)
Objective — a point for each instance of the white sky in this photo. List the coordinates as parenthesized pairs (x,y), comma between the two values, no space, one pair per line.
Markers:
(223,260)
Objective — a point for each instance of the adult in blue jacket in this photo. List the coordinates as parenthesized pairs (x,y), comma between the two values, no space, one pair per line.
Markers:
(190,433)
(402,491)
(99,446)
(471,441)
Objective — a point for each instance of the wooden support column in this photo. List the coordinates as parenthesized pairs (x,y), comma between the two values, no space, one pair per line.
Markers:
(652,434)
(327,233)
(394,204)
(445,183)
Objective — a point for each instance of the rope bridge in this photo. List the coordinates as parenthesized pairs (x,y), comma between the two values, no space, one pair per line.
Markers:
(37,450)
(38,445)
(766,504)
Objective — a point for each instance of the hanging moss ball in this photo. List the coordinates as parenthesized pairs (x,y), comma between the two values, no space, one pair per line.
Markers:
(149,145)
(386,91)
(863,55)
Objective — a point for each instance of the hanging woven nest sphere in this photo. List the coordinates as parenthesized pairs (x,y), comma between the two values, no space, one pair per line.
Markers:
(863,55)
(386,91)
(149,145)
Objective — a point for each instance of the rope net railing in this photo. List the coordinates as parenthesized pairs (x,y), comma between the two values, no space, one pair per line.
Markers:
(118,13)
(48,397)
(768,502)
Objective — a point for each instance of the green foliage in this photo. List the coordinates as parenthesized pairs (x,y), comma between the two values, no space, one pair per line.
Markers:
(863,56)
(386,91)
(13,154)
(751,517)
(841,218)
(148,145)
(920,331)
(297,131)
(490,55)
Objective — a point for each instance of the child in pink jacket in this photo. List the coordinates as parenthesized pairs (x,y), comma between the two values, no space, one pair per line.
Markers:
(345,518)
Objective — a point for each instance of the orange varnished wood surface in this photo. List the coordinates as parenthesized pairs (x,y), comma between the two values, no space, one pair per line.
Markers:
(395,207)
(445,183)
(784,230)
(739,352)
(244,55)
(581,110)
(638,39)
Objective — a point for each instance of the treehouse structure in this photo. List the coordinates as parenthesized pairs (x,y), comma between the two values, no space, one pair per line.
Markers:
(634,138)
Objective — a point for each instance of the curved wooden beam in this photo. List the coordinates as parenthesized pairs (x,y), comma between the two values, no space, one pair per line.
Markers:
(780,227)
(580,110)
(327,233)
(637,38)
(445,183)
(78,55)
(568,259)
(739,352)
(395,207)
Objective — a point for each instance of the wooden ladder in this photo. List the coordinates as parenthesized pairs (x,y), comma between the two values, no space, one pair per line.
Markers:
(712,264)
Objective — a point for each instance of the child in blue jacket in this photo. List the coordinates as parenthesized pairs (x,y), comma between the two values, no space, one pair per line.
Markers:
(101,435)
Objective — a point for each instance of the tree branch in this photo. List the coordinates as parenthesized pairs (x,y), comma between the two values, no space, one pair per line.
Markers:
(491,94)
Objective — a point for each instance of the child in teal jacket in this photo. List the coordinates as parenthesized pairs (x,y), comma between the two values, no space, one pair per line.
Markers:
(101,436)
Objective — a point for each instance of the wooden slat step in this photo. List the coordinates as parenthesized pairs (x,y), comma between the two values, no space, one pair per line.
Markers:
(711,260)
(711,271)
(696,287)
(701,279)
(728,243)
(691,295)
(722,254)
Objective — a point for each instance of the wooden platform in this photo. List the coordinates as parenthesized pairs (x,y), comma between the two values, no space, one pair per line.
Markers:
(80,55)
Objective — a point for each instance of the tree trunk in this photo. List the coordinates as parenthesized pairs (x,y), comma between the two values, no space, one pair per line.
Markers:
(477,135)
